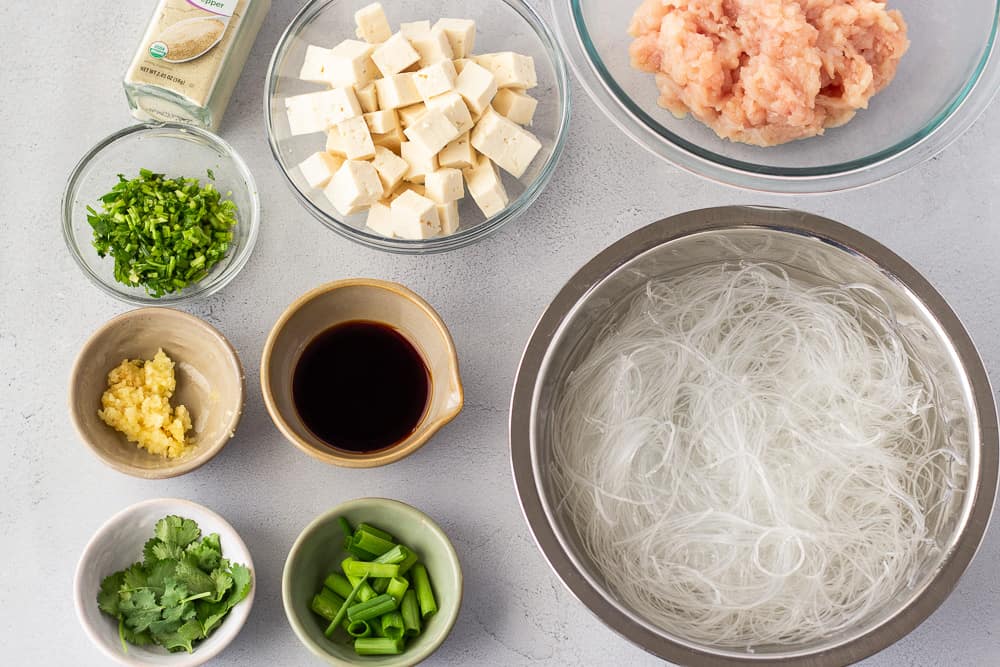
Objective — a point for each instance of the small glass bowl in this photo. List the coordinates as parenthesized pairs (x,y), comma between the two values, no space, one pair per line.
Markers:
(944,82)
(174,150)
(502,25)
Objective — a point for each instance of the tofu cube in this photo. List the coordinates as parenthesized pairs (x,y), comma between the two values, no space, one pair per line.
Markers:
(444,185)
(515,105)
(354,187)
(414,217)
(373,26)
(421,162)
(512,70)
(411,114)
(505,142)
(448,217)
(395,55)
(303,118)
(396,91)
(391,140)
(459,154)
(356,139)
(381,122)
(380,219)
(313,64)
(477,86)
(433,46)
(367,98)
(404,187)
(433,131)
(453,106)
(334,144)
(390,167)
(414,28)
(319,168)
(349,64)
(435,79)
(314,112)
(461,35)
(460,64)
(485,187)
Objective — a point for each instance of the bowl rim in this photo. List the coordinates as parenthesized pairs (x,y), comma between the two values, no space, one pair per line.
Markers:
(461,238)
(183,466)
(226,276)
(379,457)
(982,494)
(942,130)
(331,515)
(239,613)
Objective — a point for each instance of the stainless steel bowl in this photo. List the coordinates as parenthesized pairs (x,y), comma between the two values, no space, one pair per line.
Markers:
(813,249)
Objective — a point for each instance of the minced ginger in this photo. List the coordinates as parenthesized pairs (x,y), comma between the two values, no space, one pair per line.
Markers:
(137,403)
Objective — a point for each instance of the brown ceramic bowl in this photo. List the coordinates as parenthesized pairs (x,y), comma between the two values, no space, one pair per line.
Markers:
(345,301)
(209,382)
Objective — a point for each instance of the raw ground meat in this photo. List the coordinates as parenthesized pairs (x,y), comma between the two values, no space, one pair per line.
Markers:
(765,72)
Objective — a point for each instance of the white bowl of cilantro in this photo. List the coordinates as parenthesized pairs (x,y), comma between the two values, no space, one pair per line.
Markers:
(164,582)
(159,214)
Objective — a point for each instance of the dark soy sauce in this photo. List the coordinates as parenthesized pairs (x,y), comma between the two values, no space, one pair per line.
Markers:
(361,386)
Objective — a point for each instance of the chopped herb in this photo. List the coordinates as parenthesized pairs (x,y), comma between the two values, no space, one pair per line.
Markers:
(163,233)
(211,174)
(179,593)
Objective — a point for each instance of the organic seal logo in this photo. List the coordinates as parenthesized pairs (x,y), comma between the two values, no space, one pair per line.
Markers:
(158,49)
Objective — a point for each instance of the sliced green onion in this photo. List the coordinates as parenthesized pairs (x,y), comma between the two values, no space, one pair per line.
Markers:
(367,593)
(378,646)
(342,612)
(356,568)
(422,586)
(410,612)
(381,585)
(392,625)
(397,587)
(373,608)
(339,584)
(370,542)
(326,603)
(359,629)
(372,530)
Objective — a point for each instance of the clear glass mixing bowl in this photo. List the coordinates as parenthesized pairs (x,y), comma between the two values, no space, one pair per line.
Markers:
(944,82)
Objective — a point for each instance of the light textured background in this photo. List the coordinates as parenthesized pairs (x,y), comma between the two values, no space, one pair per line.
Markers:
(60,72)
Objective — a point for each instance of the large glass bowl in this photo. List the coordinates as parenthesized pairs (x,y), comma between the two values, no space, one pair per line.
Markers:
(174,150)
(944,82)
(502,25)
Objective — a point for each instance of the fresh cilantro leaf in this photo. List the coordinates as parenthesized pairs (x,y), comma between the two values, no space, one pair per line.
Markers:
(135,638)
(183,638)
(108,598)
(139,609)
(177,530)
(135,577)
(223,582)
(164,626)
(208,551)
(148,555)
(190,575)
(173,594)
(242,580)
(160,573)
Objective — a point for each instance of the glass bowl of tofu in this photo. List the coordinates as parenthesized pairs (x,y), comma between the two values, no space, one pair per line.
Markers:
(417,127)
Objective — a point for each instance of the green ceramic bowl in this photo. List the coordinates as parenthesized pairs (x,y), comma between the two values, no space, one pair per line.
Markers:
(319,551)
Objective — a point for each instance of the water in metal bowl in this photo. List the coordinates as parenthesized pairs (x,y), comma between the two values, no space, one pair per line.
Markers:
(815,251)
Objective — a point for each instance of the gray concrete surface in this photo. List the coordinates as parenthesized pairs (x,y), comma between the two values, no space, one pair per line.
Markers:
(60,72)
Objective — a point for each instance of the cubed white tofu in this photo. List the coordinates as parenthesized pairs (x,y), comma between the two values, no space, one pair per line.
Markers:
(515,105)
(460,64)
(512,70)
(354,187)
(477,86)
(319,168)
(409,115)
(314,112)
(433,46)
(485,187)
(461,35)
(435,79)
(390,167)
(405,186)
(414,28)
(373,26)
(414,217)
(349,64)
(394,55)
(356,139)
(459,154)
(505,142)
(367,97)
(380,219)
(396,91)
(432,131)
(444,185)
(381,122)
(453,106)
(391,140)
(421,162)
(334,144)
(448,217)
(313,64)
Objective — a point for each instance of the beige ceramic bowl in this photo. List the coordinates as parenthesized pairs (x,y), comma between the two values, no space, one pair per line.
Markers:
(209,382)
(345,301)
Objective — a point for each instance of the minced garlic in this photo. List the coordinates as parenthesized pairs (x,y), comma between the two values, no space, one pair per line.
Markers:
(137,403)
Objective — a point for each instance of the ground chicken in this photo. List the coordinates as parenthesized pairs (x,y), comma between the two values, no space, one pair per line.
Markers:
(765,72)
